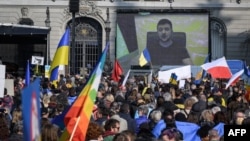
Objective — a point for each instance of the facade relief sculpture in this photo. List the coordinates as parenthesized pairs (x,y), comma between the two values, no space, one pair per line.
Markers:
(87,8)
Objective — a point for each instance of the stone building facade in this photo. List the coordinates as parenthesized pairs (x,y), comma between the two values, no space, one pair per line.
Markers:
(229,26)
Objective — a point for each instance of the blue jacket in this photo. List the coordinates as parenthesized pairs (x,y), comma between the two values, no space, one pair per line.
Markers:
(139,121)
(158,128)
(71,99)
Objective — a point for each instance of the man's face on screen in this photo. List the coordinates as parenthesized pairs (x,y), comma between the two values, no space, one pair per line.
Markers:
(164,32)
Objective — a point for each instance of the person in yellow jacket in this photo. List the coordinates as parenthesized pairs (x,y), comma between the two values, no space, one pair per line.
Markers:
(217,98)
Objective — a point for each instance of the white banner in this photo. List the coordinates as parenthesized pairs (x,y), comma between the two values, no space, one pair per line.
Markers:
(2,71)
(181,72)
(2,79)
(9,85)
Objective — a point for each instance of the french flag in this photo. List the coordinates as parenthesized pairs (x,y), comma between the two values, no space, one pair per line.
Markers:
(218,68)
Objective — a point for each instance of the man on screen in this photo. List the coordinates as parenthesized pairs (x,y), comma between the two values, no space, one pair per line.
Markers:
(167,47)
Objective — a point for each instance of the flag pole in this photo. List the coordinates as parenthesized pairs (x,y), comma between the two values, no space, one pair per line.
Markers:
(151,65)
(74,129)
(126,78)
(37,69)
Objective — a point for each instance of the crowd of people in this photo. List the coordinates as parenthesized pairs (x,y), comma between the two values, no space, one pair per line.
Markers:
(135,112)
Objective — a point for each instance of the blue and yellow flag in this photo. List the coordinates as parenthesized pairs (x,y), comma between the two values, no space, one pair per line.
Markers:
(173,79)
(31,111)
(144,58)
(61,57)
(202,73)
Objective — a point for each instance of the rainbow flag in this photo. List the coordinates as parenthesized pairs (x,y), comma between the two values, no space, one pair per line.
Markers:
(61,57)
(31,111)
(78,117)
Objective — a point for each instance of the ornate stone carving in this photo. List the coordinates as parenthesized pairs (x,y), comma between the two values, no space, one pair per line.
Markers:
(66,13)
(86,8)
(89,8)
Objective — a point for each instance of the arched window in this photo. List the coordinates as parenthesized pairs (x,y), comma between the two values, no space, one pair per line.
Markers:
(218,38)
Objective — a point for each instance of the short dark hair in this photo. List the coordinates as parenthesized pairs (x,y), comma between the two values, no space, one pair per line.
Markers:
(110,123)
(125,108)
(165,21)
(203,131)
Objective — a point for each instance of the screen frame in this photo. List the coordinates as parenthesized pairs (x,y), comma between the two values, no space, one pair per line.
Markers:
(168,11)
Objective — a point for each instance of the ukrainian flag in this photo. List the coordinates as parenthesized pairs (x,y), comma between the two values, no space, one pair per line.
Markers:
(144,58)
(173,79)
(61,57)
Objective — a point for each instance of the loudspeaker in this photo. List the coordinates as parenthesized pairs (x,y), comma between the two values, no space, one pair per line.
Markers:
(73,5)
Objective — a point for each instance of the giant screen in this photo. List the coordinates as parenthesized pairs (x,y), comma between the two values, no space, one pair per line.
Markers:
(139,30)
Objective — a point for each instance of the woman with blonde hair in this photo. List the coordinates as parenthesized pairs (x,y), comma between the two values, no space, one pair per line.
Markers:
(16,118)
(207,117)
(188,103)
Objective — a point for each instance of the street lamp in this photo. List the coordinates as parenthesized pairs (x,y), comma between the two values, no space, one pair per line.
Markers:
(108,63)
(47,23)
(73,8)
